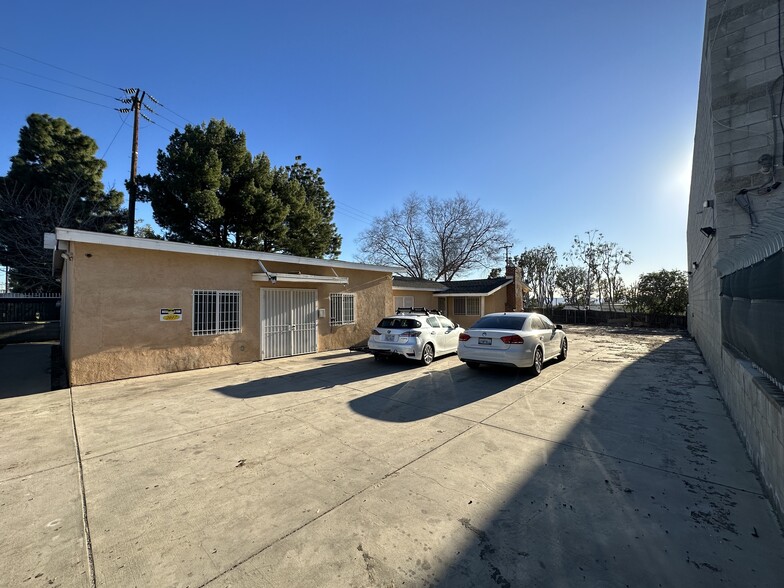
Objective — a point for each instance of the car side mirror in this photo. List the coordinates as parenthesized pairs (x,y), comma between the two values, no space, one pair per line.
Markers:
(559,327)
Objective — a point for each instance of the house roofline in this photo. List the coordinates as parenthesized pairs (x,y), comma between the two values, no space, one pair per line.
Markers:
(490,293)
(415,289)
(74,235)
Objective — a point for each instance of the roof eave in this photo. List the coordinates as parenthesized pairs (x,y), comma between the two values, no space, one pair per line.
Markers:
(74,235)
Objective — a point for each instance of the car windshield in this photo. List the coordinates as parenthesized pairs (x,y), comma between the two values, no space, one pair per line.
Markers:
(399,323)
(511,323)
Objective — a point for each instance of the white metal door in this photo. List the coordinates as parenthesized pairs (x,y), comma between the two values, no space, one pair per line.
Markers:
(288,322)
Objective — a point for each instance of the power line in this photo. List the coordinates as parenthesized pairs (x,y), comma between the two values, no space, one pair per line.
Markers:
(352,216)
(71,72)
(55,80)
(53,92)
(122,124)
(58,67)
(357,210)
(175,114)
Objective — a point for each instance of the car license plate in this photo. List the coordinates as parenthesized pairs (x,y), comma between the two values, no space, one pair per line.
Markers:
(485,341)
(389,337)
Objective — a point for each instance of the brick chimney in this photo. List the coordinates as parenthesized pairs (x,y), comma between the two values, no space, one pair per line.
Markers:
(514,291)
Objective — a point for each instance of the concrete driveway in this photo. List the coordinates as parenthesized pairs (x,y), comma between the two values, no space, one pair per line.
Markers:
(616,467)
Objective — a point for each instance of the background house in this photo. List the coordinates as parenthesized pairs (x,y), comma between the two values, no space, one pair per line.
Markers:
(463,301)
(134,307)
(735,233)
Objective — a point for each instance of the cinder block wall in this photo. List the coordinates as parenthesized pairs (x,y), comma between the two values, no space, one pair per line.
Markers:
(741,84)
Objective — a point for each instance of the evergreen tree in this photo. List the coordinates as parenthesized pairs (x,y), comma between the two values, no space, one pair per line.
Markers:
(54,181)
(210,190)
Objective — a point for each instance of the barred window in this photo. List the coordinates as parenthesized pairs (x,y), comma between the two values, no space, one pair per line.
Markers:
(216,312)
(469,305)
(341,309)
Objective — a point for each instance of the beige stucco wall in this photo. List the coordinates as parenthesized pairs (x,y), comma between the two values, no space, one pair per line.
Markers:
(496,302)
(115,294)
(421,299)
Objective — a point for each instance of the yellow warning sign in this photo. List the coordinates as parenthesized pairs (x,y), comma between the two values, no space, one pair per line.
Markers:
(171,314)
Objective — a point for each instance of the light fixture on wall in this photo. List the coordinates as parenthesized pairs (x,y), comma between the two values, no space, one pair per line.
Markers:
(708,231)
(695,265)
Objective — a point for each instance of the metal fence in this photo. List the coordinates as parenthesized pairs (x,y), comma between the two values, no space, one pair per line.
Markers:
(613,318)
(752,313)
(15,308)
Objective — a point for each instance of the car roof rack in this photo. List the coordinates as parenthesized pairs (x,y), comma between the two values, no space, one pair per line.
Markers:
(417,310)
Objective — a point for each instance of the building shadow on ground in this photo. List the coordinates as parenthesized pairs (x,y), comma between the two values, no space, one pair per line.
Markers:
(626,495)
(31,368)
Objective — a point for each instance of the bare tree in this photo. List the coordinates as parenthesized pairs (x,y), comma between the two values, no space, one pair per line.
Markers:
(586,252)
(26,216)
(602,261)
(398,238)
(435,239)
(539,266)
(611,257)
(570,280)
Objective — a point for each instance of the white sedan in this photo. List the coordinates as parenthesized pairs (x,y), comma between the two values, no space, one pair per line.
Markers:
(519,339)
(414,333)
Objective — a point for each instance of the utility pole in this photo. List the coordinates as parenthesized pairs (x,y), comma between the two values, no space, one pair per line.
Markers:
(506,248)
(136,101)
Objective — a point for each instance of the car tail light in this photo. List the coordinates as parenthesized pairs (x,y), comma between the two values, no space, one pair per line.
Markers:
(512,339)
(410,334)
(375,332)
(464,337)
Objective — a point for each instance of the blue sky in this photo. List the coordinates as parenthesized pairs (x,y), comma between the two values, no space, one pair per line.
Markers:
(567,116)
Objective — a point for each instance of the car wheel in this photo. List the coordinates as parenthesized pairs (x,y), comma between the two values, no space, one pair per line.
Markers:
(536,369)
(472,364)
(564,349)
(427,354)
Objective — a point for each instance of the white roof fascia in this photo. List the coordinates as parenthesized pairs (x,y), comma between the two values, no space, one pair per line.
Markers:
(170,246)
(415,289)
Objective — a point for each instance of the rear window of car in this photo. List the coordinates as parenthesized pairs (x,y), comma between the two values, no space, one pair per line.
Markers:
(399,323)
(512,323)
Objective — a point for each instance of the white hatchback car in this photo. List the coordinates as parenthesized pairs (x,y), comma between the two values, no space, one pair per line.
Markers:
(414,333)
(519,339)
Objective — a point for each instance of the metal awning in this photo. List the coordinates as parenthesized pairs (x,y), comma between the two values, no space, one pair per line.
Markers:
(273,277)
(302,278)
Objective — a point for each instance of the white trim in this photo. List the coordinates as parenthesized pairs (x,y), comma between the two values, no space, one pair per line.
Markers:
(77,236)
(300,278)
(416,289)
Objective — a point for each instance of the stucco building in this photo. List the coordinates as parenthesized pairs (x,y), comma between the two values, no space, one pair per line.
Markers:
(735,233)
(134,307)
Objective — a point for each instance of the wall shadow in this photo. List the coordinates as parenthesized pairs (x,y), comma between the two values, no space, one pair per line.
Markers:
(30,368)
(650,486)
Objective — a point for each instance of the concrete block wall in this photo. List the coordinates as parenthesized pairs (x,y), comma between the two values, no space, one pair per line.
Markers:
(757,407)
(741,83)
